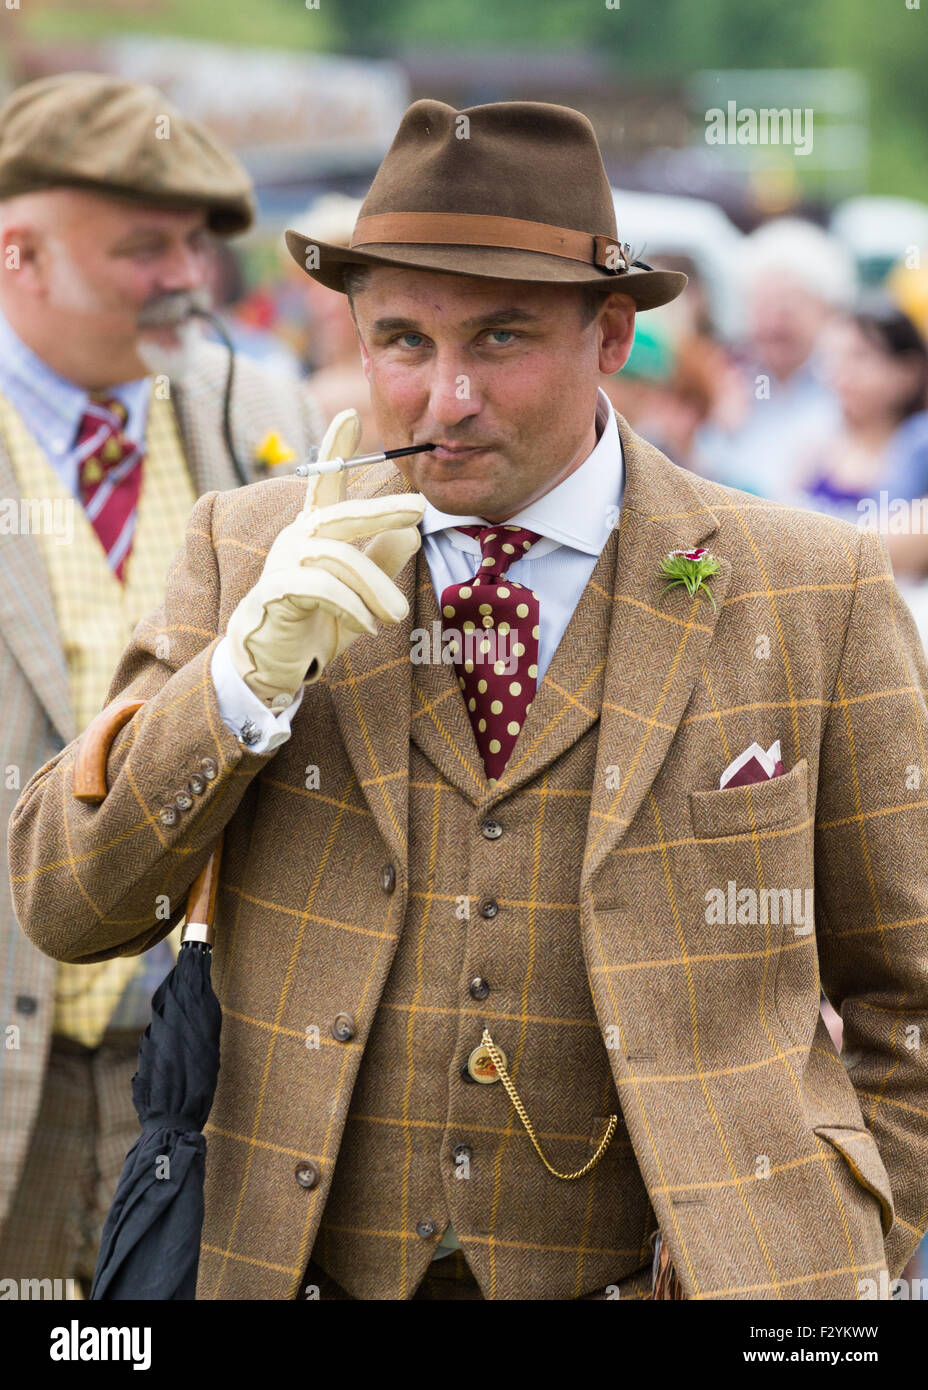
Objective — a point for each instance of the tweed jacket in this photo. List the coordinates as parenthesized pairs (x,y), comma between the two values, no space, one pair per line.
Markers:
(775,1167)
(37,717)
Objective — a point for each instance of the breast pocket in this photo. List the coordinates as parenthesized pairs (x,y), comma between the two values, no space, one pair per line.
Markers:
(729,811)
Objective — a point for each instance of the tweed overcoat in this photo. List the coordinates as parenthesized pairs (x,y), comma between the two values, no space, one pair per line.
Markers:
(37,717)
(709,918)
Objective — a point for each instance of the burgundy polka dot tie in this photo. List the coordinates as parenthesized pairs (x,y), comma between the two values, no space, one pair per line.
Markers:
(494,642)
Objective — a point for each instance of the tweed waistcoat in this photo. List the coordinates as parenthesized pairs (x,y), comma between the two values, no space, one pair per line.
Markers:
(402,1172)
(96,616)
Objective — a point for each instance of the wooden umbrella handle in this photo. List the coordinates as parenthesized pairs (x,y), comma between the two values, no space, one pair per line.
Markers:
(94,747)
(89,786)
(201,900)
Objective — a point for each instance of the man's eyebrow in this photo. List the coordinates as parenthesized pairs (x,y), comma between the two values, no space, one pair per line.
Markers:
(138,234)
(145,231)
(498,316)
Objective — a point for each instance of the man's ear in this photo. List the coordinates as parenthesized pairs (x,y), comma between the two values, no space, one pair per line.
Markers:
(21,255)
(616,332)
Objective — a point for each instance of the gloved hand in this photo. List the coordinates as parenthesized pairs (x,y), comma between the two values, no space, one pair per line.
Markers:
(317,592)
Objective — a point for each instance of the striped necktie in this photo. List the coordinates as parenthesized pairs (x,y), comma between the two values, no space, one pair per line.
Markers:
(110,477)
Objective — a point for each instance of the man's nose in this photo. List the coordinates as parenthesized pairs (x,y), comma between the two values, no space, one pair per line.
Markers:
(183,268)
(453,393)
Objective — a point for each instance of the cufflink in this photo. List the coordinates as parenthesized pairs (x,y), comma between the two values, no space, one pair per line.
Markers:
(249,733)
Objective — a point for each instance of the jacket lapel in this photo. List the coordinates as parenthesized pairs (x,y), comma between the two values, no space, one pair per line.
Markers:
(197,406)
(656,643)
(27,615)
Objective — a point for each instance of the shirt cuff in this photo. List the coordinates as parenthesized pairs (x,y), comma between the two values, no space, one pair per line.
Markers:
(241,710)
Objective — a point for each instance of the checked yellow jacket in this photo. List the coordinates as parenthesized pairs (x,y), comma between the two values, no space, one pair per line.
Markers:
(775,1169)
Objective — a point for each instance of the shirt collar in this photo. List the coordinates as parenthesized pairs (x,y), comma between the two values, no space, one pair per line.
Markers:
(580,511)
(51,405)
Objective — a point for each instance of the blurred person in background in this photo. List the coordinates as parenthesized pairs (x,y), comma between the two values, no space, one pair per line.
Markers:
(877,363)
(773,398)
(248,314)
(104,228)
(336,379)
(666,389)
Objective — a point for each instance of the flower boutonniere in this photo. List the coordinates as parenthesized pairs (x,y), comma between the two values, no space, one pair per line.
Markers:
(273,450)
(689,567)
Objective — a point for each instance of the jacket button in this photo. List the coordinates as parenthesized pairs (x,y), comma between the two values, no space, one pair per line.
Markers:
(307,1174)
(462,1151)
(183,800)
(26,1003)
(491,829)
(388,878)
(489,907)
(168,815)
(208,768)
(343,1027)
(426,1229)
(197,784)
(478,988)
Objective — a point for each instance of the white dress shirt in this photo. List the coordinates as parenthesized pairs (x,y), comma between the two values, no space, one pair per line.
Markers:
(573,520)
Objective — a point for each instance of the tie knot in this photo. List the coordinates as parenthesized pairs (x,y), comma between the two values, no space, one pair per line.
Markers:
(500,546)
(107,410)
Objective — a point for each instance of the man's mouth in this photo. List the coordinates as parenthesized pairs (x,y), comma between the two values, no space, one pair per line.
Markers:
(451,453)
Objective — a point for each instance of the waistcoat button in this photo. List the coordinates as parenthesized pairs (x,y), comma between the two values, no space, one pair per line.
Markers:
(462,1151)
(208,768)
(489,907)
(478,988)
(343,1027)
(168,815)
(307,1174)
(183,800)
(426,1229)
(491,829)
(197,784)
(388,878)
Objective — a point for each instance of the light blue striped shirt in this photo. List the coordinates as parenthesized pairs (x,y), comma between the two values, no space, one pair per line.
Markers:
(52,406)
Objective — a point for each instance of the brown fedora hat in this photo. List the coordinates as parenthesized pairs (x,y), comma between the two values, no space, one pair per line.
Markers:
(514,190)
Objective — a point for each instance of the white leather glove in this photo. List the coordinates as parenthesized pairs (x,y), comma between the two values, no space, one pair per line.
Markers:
(317,592)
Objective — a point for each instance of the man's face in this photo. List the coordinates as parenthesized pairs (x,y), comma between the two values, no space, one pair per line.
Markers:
(785,321)
(501,375)
(113,281)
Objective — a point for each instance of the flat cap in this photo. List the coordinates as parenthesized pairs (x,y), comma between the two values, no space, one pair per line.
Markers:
(109,135)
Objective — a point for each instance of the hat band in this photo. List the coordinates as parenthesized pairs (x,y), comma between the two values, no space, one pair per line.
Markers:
(481,229)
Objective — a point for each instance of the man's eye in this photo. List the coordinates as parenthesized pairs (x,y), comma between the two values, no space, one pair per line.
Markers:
(506,333)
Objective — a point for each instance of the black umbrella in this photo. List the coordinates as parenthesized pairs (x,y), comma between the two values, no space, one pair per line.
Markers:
(150,1245)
